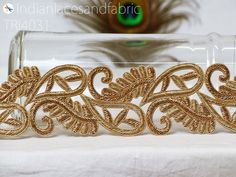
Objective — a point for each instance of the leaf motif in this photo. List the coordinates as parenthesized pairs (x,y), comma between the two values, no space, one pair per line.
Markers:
(133,84)
(189,76)
(132,122)
(13,122)
(120,117)
(73,116)
(62,83)
(166,83)
(73,78)
(51,77)
(179,82)
(107,116)
(19,84)
(4,115)
(150,94)
(17,126)
(227,117)
(50,84)
(190,113)
(114,126)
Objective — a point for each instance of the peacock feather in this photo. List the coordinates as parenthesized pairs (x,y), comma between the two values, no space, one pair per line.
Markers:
(132,16)
(126,52)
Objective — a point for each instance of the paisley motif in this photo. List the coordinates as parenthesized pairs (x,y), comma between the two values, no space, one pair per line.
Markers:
(67,95)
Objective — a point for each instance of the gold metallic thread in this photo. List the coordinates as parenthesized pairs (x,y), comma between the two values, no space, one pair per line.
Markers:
(198,108)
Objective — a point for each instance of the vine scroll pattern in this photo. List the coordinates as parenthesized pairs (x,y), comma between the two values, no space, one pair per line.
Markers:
(169,93)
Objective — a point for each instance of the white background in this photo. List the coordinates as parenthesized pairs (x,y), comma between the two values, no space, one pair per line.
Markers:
(215,15)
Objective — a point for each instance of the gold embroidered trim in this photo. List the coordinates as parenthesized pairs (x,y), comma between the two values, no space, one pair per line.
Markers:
(184,93)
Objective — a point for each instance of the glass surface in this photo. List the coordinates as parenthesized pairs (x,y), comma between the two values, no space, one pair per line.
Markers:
(118,51)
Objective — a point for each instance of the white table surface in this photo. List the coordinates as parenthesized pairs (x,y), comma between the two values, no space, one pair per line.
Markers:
(179,155)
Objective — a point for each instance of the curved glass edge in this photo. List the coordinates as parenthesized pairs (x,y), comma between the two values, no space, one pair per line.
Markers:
(16,52)
(214,41)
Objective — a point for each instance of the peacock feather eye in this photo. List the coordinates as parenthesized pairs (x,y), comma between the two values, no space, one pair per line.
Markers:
(132,16)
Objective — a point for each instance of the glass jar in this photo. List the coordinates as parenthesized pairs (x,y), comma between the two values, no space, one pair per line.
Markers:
(120,51)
